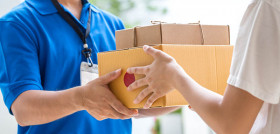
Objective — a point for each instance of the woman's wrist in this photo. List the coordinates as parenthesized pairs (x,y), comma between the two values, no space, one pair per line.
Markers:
(180,81)
(179,76)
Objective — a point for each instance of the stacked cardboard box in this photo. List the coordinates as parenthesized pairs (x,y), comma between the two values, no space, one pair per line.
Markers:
(204,51)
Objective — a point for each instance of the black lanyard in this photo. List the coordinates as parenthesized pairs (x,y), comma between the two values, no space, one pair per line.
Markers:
(67,17)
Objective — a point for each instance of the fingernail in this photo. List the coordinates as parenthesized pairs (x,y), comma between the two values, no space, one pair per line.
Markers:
(136,111)
(146,107)
(118,70)
(135,102)
(145,47)
(135,114)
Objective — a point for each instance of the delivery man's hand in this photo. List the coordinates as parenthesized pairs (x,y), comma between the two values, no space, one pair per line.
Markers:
(101,103)
(160,76)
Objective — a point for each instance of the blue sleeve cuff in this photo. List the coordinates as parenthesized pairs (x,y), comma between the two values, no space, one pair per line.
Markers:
(15,90)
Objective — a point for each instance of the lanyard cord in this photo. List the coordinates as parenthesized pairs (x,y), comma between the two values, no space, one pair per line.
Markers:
(86,51)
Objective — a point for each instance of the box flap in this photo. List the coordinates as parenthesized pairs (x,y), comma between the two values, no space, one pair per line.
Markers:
(125,39)
(181,34)
(148,35)
(216,34)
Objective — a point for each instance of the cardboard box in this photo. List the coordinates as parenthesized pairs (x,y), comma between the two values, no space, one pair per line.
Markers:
(194,34)
(208,65)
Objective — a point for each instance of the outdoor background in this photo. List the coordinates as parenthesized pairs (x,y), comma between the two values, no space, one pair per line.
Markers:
(141,12)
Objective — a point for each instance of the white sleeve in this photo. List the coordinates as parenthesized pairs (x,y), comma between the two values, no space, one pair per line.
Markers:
(256,59)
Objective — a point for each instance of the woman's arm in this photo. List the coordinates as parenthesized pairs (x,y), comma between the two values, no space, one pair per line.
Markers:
(233,113)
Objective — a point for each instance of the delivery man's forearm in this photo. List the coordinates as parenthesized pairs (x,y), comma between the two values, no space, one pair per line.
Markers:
(36,107)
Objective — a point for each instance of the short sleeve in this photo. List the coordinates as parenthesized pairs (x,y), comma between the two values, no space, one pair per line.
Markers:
(256,58)
(120,24)
(19,67)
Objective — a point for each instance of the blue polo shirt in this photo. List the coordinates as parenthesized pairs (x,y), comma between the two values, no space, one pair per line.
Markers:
(39,50)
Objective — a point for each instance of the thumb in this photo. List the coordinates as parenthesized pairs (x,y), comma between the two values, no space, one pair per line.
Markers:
(106,79)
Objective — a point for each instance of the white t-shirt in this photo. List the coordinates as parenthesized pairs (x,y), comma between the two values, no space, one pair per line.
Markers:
(256,62)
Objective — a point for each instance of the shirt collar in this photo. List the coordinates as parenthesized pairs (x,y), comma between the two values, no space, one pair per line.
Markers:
(46,7)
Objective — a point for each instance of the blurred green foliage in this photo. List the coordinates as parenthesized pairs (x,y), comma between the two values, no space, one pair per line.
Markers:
(179,111)
(156,129)
(121,7)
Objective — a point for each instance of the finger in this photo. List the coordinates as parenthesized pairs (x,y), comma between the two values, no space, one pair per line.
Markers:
(151,100)
(138,70)
(152,51)
(119,107)
(98,114)
(99,118)
(102,118)
(156,53)
(123,117)
(137,84)
(142,95)
(110,76)
(116,115)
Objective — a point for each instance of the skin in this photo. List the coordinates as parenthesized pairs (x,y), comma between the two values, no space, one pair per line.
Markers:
(74,6)
(35,107)
(233,113)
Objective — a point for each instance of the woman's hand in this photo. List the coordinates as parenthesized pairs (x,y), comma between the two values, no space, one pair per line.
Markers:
(160,76)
